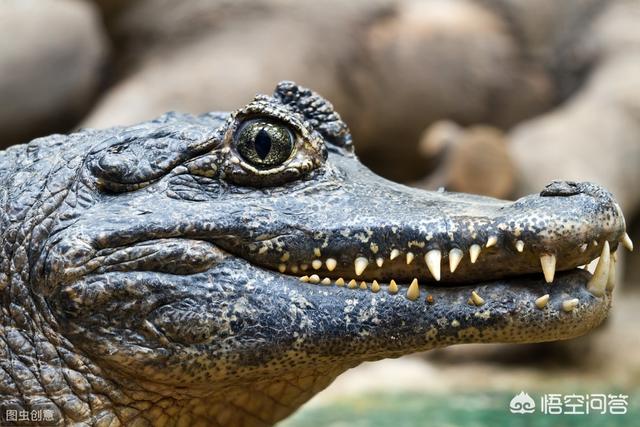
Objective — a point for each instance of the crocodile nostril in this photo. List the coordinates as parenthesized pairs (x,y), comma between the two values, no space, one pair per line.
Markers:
(561,188)
(571,188)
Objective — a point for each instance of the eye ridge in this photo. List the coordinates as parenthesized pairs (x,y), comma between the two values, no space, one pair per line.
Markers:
(264,144)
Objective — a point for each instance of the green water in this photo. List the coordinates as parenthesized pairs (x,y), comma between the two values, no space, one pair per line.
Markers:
(455,410)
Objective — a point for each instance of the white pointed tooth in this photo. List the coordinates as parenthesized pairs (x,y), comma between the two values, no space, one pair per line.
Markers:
(314,278)
(414,290)
(316,264)
(433,258)
(474,253)
(611,280)
(598,282)
(379,261)
(455,256)
(326,281)
(548,263)
(304,279)
(476,299)
(394,254)
(393,287)
(491,241)
(520,245)
(331,264)
(583,247)
(542,301)
(569,304)
(360,264)
(627,243)
(282,268)
(410,257)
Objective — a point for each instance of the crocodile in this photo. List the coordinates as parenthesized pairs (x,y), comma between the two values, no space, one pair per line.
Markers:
(221,269)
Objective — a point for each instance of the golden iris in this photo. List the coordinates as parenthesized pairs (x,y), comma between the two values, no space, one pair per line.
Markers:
(264,144)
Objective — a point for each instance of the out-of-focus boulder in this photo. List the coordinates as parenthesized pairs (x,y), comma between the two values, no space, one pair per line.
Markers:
(216,55)
(51,56)
(390,67)
(596,134)
(473,160)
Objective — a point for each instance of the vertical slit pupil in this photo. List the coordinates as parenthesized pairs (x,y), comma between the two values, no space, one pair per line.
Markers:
(262,143)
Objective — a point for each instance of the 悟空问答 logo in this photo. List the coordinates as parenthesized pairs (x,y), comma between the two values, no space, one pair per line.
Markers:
(522,403)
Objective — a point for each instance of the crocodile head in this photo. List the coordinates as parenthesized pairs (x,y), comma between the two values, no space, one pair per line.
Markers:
(222,269)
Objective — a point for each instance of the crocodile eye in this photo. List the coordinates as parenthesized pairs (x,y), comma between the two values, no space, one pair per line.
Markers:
(264,144)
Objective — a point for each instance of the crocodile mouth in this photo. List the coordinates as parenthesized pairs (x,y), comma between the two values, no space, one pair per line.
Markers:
(321,273)
(472,239)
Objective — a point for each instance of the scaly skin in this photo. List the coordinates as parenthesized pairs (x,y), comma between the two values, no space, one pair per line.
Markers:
(150,275)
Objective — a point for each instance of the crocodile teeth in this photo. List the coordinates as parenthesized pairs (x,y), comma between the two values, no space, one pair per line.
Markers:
(548,263)
(282,268)
(363,285)
(626,241)
(474,253)
(352,284)
(611,280)
(379,261)
(583,247)
(316,264)
(304,279)
(477,299)
(520,245)
(294,268)
(394,254)
(360,264)
(375,287)
(340,282)
(326,281)
(316,252)
(542,301)
(433,259)
(569,304)
(304,267)
(414,290)
(410,257)
(491,241)
(331,264)
(393,287)
(314,278)
(455,256)
(598,282)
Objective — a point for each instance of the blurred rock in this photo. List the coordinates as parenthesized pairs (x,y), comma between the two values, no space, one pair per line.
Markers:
(596,134)
(110,9)
(434,60)
(205,55)
(390,67)
(473,160)
(551,33)
(51,54)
